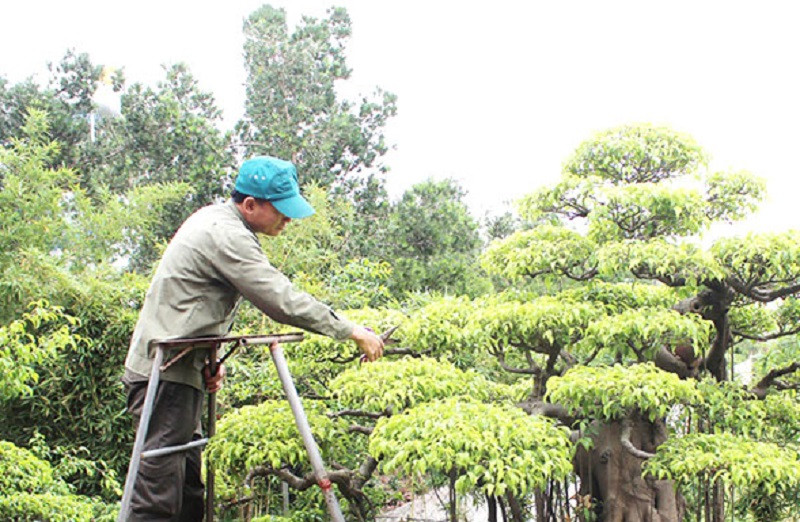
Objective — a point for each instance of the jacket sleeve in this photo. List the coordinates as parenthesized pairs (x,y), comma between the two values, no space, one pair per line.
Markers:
(241,261)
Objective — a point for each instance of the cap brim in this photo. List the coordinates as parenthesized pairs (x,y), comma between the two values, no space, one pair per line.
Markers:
(295,207)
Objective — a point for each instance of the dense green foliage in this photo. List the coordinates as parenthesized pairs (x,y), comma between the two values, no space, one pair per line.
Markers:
(270,421)
(492,448)
(612,393)
(71,351)
(27,342)
(30,490)
(766,474)
(637,220)
(739,461)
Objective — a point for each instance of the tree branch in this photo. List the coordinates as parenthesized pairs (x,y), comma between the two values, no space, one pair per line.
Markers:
(340,359)
(236,502)
(357,428)
(569,359)
(406,351)
(342,478)
(585,276)
(771,378)
(674,282)
(776,294)
(689,305)
(763,296)
(389,351)
(639,352)
(767,337)
(544,350)
(358,413)
(714,360)
(548,409)
(365,471)
(669,362)
(625,440)
(593,354)
(551,362)
(501,358)
(534,275)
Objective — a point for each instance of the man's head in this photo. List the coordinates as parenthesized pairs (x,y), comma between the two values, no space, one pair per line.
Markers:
(268,195)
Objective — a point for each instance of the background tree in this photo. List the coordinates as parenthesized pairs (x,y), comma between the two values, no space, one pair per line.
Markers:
(67,99)
(166,134)
(293,109)
(58,244)
(499,226)
(434,241)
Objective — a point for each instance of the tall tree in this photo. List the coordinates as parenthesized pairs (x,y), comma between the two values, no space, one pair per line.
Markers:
(165,134)
(433,241)
(170,133)
(293,109)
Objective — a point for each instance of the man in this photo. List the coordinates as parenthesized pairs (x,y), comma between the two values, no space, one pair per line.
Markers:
(213,261)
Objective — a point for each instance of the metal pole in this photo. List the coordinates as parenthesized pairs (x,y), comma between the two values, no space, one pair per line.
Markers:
(141,434)
(305,431)
(212,424)
(160,452)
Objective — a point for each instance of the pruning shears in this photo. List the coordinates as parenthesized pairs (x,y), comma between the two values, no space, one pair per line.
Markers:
(386,337)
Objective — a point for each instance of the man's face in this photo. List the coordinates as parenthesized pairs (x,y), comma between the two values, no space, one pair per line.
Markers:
(263,217)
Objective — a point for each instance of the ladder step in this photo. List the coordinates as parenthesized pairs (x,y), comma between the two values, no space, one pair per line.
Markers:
(169,450)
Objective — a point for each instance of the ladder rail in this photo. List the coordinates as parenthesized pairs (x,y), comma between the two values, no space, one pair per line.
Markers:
(185,346)
(141,434)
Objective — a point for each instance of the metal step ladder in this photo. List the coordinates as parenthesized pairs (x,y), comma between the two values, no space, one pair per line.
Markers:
(213,344)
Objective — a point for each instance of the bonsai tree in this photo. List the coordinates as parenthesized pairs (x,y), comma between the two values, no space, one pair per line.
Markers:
(426,414)
(628,214)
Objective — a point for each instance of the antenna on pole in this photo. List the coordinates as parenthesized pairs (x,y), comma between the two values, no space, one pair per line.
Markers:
(107,102)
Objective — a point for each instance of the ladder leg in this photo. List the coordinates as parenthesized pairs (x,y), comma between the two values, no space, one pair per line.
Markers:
(212,423)
(141,435)
(305,432)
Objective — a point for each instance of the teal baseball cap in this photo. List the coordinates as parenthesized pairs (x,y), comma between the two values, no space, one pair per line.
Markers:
(275,180)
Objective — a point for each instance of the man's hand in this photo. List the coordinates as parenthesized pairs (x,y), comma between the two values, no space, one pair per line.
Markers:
(214,382)
(370,344)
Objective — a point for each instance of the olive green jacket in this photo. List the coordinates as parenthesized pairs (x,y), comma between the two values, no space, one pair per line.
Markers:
(213,261)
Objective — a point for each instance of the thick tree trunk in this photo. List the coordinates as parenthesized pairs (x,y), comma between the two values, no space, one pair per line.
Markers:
(491,507)
(612,475)
(718,502)
(515,508)
(540,502)
(713,304)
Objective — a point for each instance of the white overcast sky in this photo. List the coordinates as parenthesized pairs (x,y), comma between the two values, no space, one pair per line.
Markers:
(495,94)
